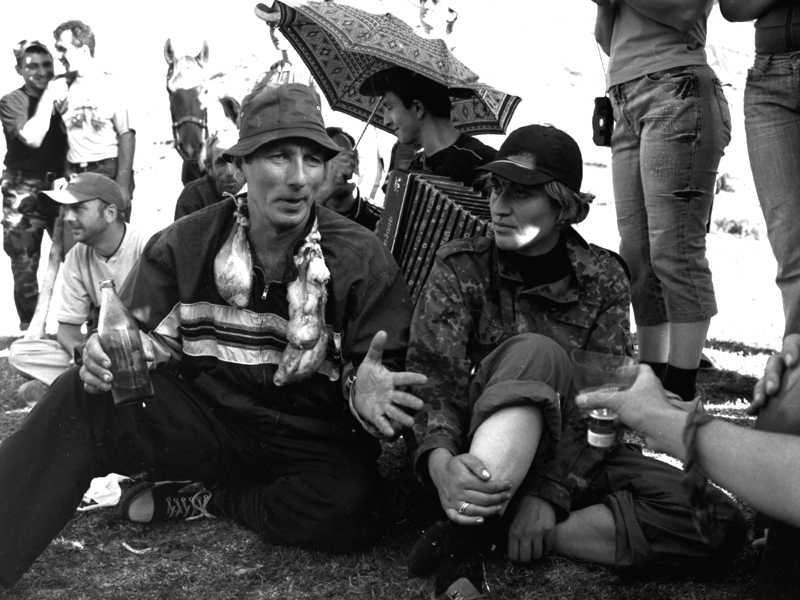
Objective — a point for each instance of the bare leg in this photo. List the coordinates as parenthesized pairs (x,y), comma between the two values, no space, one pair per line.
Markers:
(680,344)
(507,441)
(686,342)
(588,534)
(654,343)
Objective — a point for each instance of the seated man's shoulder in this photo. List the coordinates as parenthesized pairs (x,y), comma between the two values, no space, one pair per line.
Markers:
(16,96)
(473,144)
(200,182)
(338,229)
(468,245)
(137,238)
(77,254)
(203,220)
(609,259)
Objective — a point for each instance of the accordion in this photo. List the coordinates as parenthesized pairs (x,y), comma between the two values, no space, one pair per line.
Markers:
(420,213)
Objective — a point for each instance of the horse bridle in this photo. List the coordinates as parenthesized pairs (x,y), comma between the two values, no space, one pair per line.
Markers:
(200,122)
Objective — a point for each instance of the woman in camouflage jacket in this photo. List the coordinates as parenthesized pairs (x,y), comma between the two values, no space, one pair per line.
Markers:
(500,437)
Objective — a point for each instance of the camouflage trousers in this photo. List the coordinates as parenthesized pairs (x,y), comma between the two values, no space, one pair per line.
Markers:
(25,219)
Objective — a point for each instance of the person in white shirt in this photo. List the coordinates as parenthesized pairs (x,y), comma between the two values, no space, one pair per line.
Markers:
(96,115)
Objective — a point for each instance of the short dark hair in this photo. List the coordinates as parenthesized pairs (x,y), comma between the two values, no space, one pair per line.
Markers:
(434,97)
(33,50)
(82,34)
(334,131)
(409,86)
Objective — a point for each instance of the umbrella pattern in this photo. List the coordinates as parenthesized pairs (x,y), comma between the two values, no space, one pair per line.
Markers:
(342,46)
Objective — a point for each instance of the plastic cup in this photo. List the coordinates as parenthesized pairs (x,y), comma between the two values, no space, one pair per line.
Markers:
(597,373)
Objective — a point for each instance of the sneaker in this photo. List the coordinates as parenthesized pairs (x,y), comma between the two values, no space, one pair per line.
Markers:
(427,552)
(460,577)
(155,501)
(692,405)
(461,589)
(31,392)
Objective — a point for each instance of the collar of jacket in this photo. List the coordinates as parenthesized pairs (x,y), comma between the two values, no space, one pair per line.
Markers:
(585,266)
(290,274)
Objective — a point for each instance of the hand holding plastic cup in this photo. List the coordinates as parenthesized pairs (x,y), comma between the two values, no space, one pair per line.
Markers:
(602,375)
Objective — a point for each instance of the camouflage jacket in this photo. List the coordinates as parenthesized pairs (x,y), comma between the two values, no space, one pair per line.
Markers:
(473,301)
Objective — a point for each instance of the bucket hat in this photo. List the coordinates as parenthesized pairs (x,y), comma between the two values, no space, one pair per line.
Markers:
(272,112)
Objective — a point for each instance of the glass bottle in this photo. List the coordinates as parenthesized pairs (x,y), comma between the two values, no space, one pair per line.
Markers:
(119,337)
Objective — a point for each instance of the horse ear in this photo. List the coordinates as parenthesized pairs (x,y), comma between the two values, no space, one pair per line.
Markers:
(202,58)
(231,108)
(169,53)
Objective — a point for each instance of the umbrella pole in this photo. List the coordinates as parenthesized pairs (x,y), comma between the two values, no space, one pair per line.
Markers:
(374,110)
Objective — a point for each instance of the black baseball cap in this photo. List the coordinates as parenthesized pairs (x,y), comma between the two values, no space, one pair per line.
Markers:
(536,154)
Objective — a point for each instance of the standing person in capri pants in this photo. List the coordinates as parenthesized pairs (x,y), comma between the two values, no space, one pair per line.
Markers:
(672,127)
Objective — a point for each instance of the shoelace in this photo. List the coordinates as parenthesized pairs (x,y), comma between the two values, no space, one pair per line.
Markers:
(194,507)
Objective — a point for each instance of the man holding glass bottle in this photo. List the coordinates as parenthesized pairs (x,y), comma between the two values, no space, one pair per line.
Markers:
(295,461)
(500,436)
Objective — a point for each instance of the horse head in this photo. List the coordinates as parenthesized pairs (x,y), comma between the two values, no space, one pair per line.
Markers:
(186,86)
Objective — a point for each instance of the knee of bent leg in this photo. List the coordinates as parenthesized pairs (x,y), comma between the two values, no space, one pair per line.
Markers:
(526,357)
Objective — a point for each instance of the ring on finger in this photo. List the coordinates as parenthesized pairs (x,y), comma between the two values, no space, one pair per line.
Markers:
(463,508)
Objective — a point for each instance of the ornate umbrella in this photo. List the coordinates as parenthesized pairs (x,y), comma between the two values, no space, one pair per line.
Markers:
(342,46)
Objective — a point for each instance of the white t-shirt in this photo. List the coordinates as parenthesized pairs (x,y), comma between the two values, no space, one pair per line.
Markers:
(95,116)
(84,269)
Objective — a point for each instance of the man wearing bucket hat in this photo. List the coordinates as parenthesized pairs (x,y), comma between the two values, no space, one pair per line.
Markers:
(275,404)
(418,110)
(36,148)
(106,248)
(499,435)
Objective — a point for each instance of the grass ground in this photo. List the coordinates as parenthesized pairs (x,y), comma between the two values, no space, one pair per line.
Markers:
(224,561)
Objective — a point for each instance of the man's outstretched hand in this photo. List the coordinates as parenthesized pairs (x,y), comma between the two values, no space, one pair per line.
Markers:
(382,407)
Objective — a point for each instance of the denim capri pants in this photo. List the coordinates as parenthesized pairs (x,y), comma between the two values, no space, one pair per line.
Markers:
(671,131)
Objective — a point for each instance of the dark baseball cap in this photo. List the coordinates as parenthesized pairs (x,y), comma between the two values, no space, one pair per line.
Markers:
(88,186)
(272,112)
(27,45)
(536,154)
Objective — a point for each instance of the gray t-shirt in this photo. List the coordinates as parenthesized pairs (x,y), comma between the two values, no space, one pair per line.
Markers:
(641,45)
